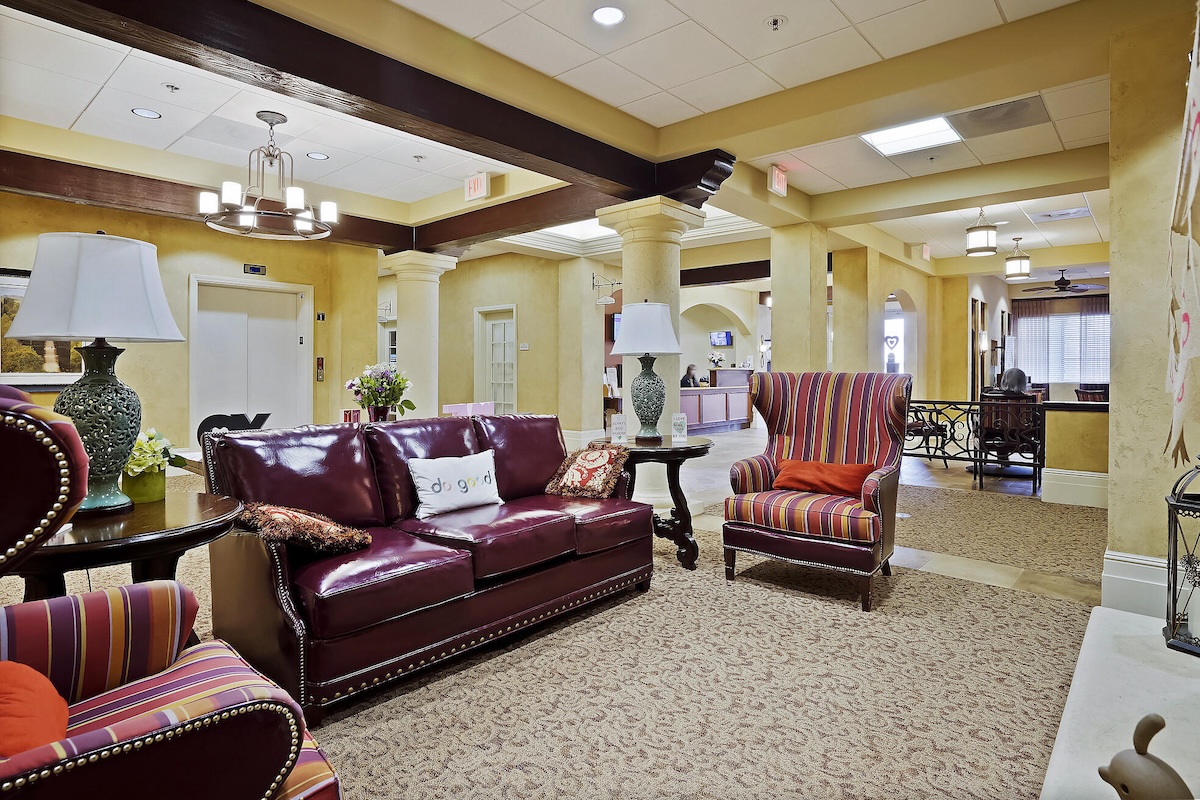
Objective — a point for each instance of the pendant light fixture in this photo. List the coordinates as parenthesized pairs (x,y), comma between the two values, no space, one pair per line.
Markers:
(241,211)
(981,237)
(1017,263)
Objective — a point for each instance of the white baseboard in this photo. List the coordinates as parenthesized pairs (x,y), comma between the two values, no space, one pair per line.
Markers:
(1134,583)
(577,440)
(1074,488)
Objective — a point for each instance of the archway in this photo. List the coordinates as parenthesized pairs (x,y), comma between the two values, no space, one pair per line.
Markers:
(707,328)
(900,348)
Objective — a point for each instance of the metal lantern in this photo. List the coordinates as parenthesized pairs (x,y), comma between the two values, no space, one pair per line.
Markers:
(1183,561)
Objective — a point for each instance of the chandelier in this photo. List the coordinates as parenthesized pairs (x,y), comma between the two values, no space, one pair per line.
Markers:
(981,237)
(1016,265)
(243,212)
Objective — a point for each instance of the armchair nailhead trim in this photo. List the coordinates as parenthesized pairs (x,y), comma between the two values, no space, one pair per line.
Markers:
(464,647)
(64,491)
(179,729)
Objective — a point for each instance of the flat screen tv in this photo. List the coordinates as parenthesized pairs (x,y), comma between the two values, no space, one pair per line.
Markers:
(720,338)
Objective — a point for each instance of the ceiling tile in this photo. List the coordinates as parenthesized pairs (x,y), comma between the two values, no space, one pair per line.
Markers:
(840,151)
(744,28)
(862,10)
(1034,140)
(901,229)
(1098,202)
(1086,142)
(211,151)
(1019,9)
(312,169)
(109,115)
(684,53)
(865,173)
(247,103)
(1062,233)
(38,95)
(432,157)
(1078,100)
(837,52)
(358,138)
(935,159)
(737,85)
(609,82)
(523,4)
(1057,203)
(540,46)
(811,180)
(464,169)
(240,135)
(1087,126)
(370,176)
(421,188)
(145,77)
(928,23)
(574,18)
(468,17)
(660,109)
(26,40)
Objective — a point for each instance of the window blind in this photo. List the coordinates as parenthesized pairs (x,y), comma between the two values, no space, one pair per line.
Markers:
(1063,341)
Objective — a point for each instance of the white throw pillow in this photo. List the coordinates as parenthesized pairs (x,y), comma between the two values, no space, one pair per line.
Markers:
(447,484)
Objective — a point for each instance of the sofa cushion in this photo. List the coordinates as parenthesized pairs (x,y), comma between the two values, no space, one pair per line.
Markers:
(599,524)
(32,712)
(395,574)
(821,477)
(321,468)
(454,482)
(529,449)
(393,443)
(301,528)
(501,539)
(827,515)
(591,472)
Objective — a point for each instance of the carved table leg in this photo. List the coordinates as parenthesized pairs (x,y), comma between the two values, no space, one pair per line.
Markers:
(45,586)
(631,468)
(679,527)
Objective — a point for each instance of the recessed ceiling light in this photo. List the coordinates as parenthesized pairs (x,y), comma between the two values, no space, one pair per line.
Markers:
(146,113)
(913,136)
(608,15)
(315,156)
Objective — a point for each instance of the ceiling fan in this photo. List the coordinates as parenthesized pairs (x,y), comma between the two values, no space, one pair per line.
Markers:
(1063,285)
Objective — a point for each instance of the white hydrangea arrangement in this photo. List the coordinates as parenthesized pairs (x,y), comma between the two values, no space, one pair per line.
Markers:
(151,453)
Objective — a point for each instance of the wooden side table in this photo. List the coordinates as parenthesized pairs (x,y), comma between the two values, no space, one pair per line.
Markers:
(151,537)
(677,528)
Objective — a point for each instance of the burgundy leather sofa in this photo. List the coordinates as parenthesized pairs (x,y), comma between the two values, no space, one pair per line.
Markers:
(327,628)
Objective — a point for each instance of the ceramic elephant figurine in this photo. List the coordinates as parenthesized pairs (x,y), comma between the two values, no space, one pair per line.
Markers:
(1137,775)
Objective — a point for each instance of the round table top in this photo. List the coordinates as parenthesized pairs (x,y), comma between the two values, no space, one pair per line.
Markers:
(180,521)
(694,446)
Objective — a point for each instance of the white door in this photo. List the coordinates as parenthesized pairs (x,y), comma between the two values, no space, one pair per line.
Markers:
(496,358)
(246,350)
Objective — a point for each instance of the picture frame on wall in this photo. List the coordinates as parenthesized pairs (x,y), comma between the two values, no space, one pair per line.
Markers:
(31,364)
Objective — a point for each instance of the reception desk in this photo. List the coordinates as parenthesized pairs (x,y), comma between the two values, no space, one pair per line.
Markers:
(716,408)
(730,377)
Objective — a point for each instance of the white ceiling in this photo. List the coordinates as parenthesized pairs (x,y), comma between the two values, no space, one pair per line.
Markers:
(61,77)
(674,59)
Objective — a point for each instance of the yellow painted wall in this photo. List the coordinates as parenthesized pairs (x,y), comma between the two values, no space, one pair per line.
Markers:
(1149,71)
(532,285)
(954,363)
(895,276)
(342,276)
(1077,440)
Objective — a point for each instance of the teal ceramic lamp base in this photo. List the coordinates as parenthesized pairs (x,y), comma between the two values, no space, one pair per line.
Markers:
(108,415)
(649,395)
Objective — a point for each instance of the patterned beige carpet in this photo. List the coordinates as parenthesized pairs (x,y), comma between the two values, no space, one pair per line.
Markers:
(1000,528)
(775,686)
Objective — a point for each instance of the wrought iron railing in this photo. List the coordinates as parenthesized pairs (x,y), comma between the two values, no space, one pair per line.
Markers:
(1005,432)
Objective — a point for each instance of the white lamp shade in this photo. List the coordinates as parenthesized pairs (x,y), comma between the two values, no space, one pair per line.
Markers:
(294,198)
(646,328)
(329,212)
(87,285)
(209,203)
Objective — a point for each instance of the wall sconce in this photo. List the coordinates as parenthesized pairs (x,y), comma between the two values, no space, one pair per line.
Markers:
(383,312)
(984,341)
(599,281)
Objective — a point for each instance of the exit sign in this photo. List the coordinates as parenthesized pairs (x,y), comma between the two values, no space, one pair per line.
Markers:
(777,181)
(477,186)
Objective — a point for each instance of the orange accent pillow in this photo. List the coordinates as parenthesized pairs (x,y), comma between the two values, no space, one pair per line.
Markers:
(822,478)
(32,712)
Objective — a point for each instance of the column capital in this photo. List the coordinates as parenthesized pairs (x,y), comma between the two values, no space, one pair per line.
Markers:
(651,219)
(416,265)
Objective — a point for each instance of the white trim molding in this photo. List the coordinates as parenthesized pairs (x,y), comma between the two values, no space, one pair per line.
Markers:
(577,440)
(1075,488)
(1135,583)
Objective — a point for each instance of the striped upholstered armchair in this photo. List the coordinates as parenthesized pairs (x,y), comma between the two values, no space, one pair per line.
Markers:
(146,717)
(834,418)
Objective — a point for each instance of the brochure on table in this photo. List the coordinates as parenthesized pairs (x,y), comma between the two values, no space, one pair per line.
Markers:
(679,429)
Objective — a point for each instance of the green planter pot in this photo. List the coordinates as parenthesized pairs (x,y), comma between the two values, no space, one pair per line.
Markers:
(146,487)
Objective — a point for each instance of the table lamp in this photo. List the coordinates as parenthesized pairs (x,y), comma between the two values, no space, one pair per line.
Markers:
(647,332)
(91,286)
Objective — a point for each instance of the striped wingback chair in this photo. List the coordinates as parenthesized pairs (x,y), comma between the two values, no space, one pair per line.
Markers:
(830,417)
(148,716)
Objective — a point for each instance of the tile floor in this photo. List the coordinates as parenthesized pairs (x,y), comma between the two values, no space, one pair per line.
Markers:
(706,481)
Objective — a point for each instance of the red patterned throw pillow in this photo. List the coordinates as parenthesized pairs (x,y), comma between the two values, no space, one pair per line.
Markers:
(822,478)
(592,472)
(303,528)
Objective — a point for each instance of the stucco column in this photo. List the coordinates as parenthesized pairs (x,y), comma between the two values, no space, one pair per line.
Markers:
(417,282)
(799,288)
(580,352)
(651,230)
(856,343)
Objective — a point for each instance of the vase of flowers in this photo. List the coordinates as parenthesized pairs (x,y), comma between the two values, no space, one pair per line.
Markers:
(144,479)
(378,389)
(716,359)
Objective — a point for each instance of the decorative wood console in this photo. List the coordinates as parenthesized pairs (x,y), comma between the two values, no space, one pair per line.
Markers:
(730,377)
(716,408)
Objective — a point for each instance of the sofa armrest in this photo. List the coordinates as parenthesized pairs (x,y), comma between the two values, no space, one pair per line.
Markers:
(621,489)
(754,474)
(239,736)
(89,643)
(879,496)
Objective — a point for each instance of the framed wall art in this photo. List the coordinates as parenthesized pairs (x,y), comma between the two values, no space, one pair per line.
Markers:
(29,364)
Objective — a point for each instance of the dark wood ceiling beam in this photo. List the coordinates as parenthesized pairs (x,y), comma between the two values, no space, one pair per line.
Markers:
(726,273)
(59,180)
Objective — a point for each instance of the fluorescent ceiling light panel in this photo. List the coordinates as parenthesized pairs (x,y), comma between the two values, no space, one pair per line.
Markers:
(914,136)
(583,231)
